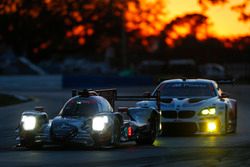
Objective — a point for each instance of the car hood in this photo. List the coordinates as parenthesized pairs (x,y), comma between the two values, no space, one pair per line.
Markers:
(181,103)
(63,122)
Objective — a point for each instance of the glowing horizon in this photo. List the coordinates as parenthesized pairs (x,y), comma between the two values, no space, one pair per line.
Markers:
(224,22)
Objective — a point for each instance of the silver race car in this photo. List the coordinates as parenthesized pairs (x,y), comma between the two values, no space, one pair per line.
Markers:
(88,119)
(194,106)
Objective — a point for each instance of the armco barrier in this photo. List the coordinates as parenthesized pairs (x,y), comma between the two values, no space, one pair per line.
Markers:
(70,81)
(33,82)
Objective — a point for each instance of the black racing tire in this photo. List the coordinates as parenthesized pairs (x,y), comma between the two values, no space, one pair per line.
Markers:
(235,125)
(226,123)
(116,136)
(234,128)
(149,140)
(235,119)
(231,130)
(31,145)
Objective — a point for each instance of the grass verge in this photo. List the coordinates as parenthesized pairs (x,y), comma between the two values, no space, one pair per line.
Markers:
(6,99)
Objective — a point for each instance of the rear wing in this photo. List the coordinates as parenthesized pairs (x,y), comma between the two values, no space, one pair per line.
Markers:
(108,94)
(112,97)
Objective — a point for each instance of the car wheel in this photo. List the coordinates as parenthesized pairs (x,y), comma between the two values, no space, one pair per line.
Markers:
(234,128)
(31,145)
(235,120)
(116,136)
(225,124)
(148,139)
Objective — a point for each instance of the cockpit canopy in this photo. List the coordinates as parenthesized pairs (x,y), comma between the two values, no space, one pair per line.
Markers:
(85,106)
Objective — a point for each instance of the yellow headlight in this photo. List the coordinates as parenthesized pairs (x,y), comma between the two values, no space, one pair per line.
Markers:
(211,126)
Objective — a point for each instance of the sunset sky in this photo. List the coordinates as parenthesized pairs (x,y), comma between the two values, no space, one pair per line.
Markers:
(224,21)
(172,20)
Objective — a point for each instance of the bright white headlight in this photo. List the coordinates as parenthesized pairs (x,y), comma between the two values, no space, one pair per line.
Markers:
(209,111)
(212,111)
(98,123)
(205,112)
(29,122)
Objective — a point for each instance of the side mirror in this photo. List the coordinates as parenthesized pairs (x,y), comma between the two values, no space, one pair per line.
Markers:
(224,95)
(123,109)
(146,94)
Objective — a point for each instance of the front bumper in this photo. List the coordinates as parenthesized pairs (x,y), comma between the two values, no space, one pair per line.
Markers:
(83,138)
(208,125)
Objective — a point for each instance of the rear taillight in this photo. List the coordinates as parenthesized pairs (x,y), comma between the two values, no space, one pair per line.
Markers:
(130,131)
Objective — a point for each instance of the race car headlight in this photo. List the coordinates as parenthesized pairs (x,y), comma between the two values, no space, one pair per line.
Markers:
(28,122)
(211,126)
(99,122)
(208,111)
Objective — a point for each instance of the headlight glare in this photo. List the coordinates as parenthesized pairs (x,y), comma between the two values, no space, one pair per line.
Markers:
(211,127)
(98,123)
(28,122)
(212,111)
(205,112)
(208,111)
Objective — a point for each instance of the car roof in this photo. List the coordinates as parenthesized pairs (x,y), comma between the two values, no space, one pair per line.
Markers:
(190,81)
(99,99)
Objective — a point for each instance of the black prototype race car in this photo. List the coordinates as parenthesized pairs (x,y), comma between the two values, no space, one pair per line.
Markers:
(88,119)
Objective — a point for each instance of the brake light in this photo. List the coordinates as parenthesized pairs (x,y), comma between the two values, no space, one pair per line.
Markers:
(130,131)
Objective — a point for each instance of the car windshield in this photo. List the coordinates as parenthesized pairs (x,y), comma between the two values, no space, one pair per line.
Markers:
(80,107)
(186,89)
